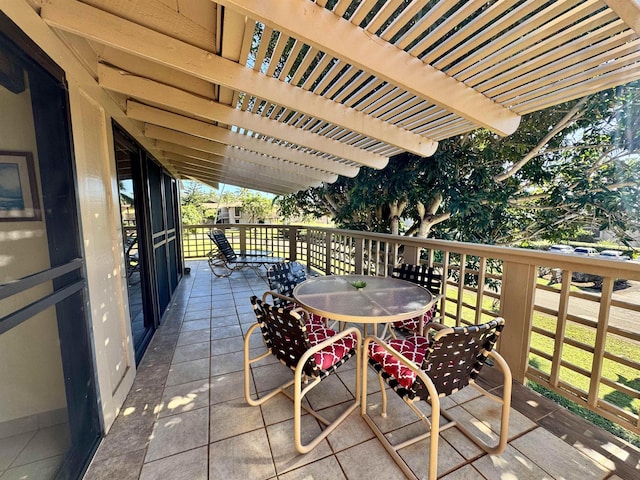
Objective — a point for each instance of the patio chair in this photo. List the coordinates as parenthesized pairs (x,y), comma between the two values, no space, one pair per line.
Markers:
(132,255)
(426,277)
(223,260)
(283,277)
(311,353)
(452,360)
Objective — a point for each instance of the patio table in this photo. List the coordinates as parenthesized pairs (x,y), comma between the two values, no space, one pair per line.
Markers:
(382,300)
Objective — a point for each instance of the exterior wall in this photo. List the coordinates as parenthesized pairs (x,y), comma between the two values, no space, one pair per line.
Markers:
(91,114)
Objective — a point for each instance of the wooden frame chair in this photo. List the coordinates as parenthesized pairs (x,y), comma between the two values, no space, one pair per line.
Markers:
(429,370)
(311,353)
(223,260)
(426,277)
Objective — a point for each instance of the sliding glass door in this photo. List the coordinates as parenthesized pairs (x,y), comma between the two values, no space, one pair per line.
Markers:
(149,209)
(49,419)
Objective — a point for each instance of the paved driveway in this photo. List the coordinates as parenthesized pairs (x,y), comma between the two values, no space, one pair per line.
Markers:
(625,319)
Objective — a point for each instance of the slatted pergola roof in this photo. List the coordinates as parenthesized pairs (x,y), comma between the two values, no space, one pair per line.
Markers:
(281,95)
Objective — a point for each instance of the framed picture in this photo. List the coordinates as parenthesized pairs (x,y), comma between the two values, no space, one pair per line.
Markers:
(18,187)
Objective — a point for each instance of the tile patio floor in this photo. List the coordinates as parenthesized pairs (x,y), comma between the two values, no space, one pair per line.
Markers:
(185,417)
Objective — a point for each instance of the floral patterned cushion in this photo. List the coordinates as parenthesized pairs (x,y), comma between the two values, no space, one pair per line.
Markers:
(413,324)
(332,354)
(312,319)
(414,348)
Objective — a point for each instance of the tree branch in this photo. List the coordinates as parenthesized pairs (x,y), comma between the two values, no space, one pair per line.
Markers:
(571,116)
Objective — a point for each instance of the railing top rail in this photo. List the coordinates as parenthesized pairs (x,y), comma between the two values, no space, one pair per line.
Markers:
(598,266)
(576,263)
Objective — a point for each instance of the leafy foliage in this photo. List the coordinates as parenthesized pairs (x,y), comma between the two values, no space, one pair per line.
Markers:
(568,168)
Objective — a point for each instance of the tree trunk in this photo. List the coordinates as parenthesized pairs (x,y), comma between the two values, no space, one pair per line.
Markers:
(428,217)
(396,210)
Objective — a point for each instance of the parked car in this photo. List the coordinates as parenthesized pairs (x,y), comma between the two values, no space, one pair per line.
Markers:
(585,251)
(613,254)
(561,249)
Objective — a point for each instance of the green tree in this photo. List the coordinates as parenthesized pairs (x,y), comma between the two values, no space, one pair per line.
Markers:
(191,215)
(257,206)
(193,193)
(566,168)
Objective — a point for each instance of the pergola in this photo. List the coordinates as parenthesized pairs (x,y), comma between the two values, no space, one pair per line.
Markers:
(281,95)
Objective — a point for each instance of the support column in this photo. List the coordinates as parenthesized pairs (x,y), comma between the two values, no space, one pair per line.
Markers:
(517,299)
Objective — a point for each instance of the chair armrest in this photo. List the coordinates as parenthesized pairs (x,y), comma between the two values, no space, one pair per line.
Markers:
(436,298)
(273,294)
(436,326)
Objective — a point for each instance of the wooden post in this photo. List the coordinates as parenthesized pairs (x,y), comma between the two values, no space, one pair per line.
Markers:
(517,299)
(328,252)
(243,238)
(293,243)
(359,254)
(411,255)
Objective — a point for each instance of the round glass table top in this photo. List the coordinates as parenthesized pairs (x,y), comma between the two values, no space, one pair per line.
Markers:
(382,299)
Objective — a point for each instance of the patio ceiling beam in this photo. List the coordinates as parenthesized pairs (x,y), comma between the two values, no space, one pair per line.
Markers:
(628,11)
(187,165)
(326,168)
(176,99)
(331,34)
(107,29)
(283,168)
(216,179)
(226,164)
(233,154)
(183,163)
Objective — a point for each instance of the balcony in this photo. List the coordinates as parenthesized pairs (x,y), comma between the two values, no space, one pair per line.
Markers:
(186,415)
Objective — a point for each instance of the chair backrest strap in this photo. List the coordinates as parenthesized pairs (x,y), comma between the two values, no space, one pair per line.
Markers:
(456,355)
(218,237)
(283,278)
(285,335)
(422,275)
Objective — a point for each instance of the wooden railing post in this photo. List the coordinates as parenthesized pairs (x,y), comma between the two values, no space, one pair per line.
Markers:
(328,252)
(517,298)
(411,254)
(243,238)
(359,254)
(293,243)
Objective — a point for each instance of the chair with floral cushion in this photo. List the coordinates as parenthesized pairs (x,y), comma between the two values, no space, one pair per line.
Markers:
(311,352)
(426,277)
(422,369)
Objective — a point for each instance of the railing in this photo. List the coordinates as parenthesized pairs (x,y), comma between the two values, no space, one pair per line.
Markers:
(574,337)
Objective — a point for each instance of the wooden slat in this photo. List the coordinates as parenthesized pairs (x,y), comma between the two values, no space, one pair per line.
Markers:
(508,38)
(556,61)
(538,41)
(262,48)
(138,87)
(356,47)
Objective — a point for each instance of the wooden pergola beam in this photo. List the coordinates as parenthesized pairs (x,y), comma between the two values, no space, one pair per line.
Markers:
(99,26)
(179,100)
(310,23)
(326,169)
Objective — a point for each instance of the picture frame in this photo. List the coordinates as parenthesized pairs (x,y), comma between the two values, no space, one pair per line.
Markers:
(19,199)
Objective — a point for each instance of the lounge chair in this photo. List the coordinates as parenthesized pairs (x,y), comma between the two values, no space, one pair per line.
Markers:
(223,260)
